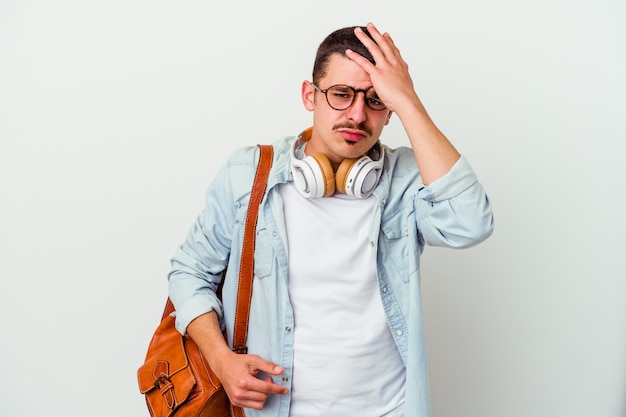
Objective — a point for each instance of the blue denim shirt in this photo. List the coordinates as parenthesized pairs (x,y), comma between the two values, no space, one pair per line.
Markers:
(453,211)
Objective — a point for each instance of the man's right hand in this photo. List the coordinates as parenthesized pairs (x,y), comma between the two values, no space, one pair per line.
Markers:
(237,372)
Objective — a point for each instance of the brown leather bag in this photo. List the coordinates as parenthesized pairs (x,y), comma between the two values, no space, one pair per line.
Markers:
(175,378)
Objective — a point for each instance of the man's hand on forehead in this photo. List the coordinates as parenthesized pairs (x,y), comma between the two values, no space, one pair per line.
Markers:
(390,75)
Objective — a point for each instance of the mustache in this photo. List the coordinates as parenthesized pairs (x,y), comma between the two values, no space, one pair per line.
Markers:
(361,126)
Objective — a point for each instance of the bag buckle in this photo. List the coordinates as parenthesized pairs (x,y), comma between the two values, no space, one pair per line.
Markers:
(240,349)
(160,379)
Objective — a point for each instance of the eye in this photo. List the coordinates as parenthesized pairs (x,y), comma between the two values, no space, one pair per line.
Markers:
(341,92)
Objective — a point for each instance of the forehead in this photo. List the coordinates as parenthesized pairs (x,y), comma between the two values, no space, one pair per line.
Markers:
(342,70)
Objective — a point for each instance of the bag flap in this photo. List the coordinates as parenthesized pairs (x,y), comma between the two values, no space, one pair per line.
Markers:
(166,358)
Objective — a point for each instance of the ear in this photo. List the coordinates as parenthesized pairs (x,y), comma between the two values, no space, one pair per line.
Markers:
(388,118)
(308,96)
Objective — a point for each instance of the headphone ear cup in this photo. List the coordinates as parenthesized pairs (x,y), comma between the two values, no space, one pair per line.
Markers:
(341,177)
(360,177)
(313,176)
(325,175)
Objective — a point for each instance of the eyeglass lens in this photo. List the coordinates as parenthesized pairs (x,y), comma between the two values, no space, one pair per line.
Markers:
(340,97)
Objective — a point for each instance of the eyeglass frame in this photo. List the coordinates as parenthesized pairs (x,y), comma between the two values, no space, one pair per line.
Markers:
(355,90)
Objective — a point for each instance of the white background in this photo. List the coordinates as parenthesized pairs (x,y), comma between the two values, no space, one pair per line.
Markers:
(115,116)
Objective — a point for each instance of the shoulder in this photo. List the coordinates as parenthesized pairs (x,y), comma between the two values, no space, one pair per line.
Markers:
(249,155)
(400,161)
(240,167)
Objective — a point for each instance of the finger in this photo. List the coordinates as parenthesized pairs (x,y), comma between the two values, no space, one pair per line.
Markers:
(252,392)
(249,399)
(262,387)
(360,60)
(372,45)
(374,32)
(381,43)
(257,364)
(272,388)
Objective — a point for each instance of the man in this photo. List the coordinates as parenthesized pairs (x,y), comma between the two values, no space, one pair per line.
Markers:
(335,323)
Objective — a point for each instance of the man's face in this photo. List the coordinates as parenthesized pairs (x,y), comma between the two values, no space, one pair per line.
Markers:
(347,133)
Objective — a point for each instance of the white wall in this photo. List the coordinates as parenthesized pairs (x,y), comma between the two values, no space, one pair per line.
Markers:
(114,117)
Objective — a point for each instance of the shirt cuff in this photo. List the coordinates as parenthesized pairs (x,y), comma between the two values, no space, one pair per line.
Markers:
(460,177)
(194,308)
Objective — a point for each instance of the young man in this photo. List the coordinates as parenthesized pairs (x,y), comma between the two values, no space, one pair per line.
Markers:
(335,322)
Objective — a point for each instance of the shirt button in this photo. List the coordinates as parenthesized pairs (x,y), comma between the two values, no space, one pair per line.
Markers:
(399,333)
(384,289)
(287,329)
(285,379)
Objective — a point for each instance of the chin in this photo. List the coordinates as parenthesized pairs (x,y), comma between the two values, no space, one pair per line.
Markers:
(356,149)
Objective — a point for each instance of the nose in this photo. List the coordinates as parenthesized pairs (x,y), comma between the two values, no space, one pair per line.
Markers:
(357,111)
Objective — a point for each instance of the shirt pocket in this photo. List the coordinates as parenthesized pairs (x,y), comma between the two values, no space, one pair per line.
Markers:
(395,246)
(263,254)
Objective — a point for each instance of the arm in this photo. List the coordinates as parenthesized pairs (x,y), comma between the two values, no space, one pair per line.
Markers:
(453,209)
(434,153)
(193,282)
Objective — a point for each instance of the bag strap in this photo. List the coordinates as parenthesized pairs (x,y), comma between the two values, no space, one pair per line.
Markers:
(246,264)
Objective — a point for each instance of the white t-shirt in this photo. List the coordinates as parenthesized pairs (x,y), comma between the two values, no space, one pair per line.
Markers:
(345,360)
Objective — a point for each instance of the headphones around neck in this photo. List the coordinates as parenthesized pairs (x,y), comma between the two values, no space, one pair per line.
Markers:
(314,176)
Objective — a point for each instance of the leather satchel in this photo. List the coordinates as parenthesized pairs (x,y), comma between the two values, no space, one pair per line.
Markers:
(175,377)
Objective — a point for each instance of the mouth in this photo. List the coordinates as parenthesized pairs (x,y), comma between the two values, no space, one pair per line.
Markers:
(352,135)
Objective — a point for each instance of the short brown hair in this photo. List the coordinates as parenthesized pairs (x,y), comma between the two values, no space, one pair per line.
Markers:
(338,42)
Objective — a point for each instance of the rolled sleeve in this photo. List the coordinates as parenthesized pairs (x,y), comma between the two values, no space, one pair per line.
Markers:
(454,211)
(191,296)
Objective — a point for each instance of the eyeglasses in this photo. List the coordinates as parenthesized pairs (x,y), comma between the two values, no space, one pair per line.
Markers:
(341,97)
